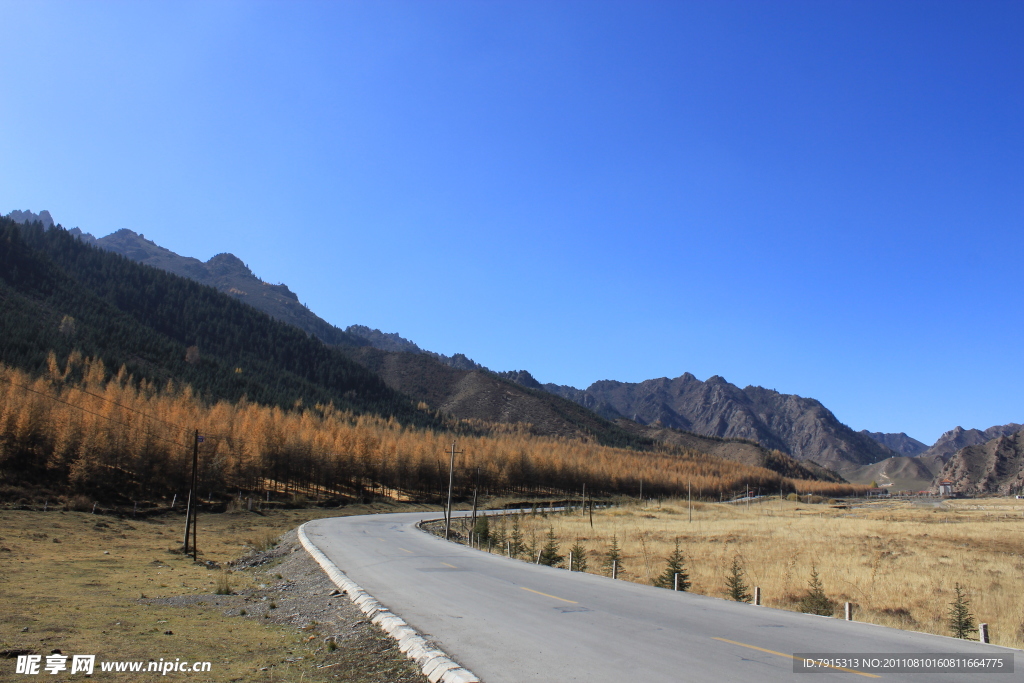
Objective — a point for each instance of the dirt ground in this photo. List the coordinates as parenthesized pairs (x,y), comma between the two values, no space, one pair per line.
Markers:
(119,588)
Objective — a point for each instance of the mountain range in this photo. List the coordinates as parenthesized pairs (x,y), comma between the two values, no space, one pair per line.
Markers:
(788,430)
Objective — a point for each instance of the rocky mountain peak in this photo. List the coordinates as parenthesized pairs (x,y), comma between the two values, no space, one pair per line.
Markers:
(522,378)
(228,264)
(23,217)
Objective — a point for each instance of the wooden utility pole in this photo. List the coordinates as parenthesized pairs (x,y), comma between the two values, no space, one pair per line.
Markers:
(451,482)
(190,510)
(689,501)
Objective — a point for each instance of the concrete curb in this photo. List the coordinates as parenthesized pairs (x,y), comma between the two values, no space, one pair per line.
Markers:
(435,664)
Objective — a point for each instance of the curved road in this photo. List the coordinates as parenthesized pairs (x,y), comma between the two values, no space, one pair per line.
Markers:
(509,621)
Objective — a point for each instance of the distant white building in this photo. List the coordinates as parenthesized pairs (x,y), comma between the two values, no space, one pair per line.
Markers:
(945,487)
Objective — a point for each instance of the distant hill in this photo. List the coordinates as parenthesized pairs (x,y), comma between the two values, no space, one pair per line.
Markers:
(993,467)
(958,438)
(901,473)
(800,427)
(899,443)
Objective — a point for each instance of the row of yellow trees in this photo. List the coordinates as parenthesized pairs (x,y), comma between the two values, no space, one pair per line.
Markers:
(84,428)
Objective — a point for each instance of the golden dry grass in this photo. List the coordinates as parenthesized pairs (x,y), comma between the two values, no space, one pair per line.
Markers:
(896,561)
(61,591)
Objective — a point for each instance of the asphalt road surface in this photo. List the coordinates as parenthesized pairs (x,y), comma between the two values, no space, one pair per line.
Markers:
(509,621)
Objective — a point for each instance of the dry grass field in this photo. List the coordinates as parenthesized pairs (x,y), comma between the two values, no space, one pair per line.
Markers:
(86,584)
(897,561)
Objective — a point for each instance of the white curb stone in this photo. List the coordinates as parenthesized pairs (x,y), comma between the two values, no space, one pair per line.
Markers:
(435,664)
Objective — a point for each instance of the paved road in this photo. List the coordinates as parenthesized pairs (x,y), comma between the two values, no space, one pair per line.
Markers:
(511,622)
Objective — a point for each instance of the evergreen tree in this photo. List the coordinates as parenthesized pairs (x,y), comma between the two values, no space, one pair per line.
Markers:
(736,587)
(674,565)
(961,621)
(515,539)
(531,547)
(815,601)
(549,553)
(498,534)
(579,557)
(481,530)
(613,555)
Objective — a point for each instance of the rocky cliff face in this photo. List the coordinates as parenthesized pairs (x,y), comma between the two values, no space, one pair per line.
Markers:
(798,426)
(994,467)
(899,443)
(956,439)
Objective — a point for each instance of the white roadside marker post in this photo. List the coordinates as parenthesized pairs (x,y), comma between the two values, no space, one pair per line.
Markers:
(757,595)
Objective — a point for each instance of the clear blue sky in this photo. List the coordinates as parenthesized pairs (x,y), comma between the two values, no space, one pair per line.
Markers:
(825,198)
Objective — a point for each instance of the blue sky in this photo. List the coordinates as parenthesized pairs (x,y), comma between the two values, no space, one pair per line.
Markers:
(824,198)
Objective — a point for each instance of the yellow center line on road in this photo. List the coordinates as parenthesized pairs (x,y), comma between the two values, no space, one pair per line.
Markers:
(783,654)
(408,551)
(546,595)
(449,565)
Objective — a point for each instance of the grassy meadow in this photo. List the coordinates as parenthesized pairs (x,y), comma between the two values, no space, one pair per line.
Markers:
(897,561)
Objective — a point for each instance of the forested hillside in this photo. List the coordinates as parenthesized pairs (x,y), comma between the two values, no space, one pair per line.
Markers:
(62,295)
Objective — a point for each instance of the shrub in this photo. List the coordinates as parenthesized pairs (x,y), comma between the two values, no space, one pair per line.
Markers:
(815,601)
(223,586)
